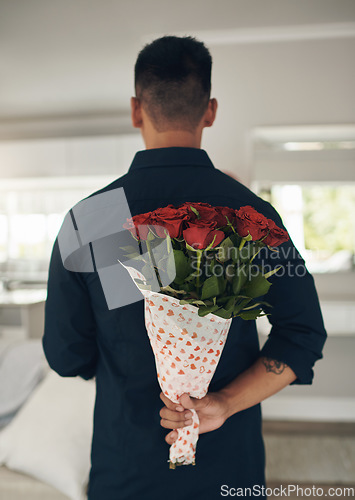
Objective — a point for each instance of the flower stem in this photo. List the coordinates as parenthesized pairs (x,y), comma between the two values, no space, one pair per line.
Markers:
(152,261)
(242,243)
(253,257)
(199,256)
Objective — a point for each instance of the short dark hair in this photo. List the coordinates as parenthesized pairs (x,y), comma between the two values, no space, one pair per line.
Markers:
(172,78)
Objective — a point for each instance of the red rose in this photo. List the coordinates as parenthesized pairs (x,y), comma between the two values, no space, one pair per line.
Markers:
(211,224)
(249,221)
(205,210)
(200,237)
(130,226)
(222,213)
(170,219)
(276,235)
(138,225)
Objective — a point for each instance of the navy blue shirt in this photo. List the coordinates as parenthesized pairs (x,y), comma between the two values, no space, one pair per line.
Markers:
(84,338)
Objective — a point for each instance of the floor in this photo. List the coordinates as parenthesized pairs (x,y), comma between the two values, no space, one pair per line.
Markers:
(310,455)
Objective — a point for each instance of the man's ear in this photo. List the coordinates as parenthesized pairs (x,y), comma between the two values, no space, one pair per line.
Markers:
(210,114)
(136,113)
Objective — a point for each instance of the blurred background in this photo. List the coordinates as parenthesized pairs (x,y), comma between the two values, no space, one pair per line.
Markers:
(284,77)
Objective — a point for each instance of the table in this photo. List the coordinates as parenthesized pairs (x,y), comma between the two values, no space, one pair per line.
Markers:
(22,313)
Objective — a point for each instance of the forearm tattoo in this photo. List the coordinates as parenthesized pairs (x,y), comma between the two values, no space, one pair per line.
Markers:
(274,366)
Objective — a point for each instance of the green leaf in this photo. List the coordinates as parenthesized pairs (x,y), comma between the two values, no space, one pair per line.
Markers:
(235,256)
(230,272)
(203,311)
(189,287)
(266,304)
(240,305)
(191,277)
(159,249)
(226,311)
(224,252)
(210,288)
(257,286)
(189,247)
(210,264)
(151,236)
(195,211)
(179,281)
(252,314)
(247,252)
(169,245)
(236,239)
(270,273)
(144,287)
(224,299)
(222,313)
(167,265)
(239,279)
(222,283)
(192,301)
(187,301)
(257,304)
(168,288)
(230,304)
(183,268)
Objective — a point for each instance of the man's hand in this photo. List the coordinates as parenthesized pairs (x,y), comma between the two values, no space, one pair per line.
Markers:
(263,379)
(211,411)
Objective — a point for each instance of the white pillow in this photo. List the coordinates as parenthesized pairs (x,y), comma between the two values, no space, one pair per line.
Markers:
(22,366)
(50,436)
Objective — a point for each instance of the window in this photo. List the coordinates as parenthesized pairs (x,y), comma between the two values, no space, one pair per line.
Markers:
(32,211)
(308,175)
(321,222)
(3,237)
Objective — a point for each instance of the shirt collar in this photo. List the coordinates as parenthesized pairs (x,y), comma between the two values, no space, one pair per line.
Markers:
(173,156)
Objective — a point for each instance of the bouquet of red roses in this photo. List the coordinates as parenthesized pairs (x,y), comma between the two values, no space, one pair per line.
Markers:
(194,265)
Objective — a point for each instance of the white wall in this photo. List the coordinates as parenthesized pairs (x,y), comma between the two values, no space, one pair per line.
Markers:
(68,156)
(331,397)
(280,83)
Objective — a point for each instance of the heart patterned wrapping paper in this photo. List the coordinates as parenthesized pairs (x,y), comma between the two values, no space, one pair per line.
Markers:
(187,349)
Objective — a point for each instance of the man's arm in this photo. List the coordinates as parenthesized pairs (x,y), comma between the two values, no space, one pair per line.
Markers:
(69,340)
(263,379)
(297,333)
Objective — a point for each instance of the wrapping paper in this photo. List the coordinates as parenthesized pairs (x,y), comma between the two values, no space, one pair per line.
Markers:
(187,349)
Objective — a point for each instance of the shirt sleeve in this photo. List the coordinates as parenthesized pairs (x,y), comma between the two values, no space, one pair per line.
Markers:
(297,334)
(69,340)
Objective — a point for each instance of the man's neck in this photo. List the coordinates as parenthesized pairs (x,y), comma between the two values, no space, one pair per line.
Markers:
(173,138)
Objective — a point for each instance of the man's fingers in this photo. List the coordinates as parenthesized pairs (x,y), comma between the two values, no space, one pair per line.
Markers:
(171,437)
(175,416)
(171,424)
(169,404)
(193,403)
